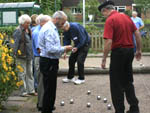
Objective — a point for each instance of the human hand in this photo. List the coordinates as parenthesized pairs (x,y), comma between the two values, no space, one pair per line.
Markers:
(103,64)
(39,51)
(64,56)
(74,50)
(138,55)
(68,48)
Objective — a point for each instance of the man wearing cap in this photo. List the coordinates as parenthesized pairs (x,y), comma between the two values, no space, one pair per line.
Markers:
(118,32)
(77,33)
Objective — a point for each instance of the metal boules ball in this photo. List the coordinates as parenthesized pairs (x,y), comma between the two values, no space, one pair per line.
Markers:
(105,100)
(88,104)
(62,103)
(71,101)
(98,97)
(89,92)
(109,106)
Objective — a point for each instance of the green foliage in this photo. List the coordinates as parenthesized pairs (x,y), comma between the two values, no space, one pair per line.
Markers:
(90,8)
(47,5)
(147,21)
(8,30)
(143,3)
(71,17)
(128,12)
(8,69)
(6,1)
(91,28)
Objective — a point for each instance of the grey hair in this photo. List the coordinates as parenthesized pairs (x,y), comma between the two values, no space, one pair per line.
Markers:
(66,24)
(134,12)
(24,18)
(42,18)
(59,14)
(108,7)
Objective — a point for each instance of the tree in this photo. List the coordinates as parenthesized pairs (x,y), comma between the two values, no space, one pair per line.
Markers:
(49,5)
(46,5)
(91,7)
(143,5)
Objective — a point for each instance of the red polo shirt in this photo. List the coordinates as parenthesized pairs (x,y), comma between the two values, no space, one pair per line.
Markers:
(120,28)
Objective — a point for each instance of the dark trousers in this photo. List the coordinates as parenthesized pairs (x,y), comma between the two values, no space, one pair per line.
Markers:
(49,69)
(121,79)
(78,57)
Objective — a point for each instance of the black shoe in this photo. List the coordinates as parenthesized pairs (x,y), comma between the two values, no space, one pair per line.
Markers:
(40,108)
(132,111)
(54,108)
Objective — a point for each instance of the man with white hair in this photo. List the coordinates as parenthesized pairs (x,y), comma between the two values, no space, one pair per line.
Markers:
(24,54)
(50,52)
(77,33)
(139,24)
(40,21)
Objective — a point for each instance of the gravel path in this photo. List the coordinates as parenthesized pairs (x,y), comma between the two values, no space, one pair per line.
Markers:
(98,85)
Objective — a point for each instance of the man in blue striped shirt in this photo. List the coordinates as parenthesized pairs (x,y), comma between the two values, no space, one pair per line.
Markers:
(50,52)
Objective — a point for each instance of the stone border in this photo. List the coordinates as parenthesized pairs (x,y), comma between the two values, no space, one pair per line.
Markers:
(97,70)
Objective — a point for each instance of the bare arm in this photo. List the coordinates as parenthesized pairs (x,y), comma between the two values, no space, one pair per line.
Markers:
(107,48)
(141,27)
(138,43)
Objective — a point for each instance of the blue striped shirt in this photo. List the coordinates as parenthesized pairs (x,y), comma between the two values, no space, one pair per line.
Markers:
(49,42)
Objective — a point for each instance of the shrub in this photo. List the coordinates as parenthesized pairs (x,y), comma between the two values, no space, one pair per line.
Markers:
(8,69)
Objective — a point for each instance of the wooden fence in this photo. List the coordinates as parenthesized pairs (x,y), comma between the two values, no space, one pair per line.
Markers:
(97,41)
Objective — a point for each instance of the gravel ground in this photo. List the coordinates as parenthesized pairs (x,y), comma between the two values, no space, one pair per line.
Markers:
(98,85)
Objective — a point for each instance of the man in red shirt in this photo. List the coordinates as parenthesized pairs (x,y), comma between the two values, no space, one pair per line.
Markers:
(118,32)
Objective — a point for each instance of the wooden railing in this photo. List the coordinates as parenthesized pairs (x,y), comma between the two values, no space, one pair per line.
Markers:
(97,42)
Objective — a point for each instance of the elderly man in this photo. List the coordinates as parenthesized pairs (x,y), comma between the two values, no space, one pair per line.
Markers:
(77,33)
(23,44)
(40,21)
(50,52)
(118,32)
(139,24)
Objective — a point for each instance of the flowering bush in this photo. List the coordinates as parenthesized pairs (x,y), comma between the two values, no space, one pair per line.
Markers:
(8,68)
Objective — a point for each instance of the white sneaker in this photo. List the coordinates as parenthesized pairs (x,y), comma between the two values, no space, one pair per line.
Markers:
(78,81)
(66,80)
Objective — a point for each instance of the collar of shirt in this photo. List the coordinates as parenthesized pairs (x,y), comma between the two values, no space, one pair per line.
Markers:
(53,26)
(113,12)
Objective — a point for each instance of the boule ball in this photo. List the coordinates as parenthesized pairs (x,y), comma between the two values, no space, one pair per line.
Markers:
(109,106)
(88,104)
(62,103)
(98,97)
(105,100)
(88,92)
(71,101)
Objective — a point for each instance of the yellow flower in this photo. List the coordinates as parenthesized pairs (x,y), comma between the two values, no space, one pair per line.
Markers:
(12,41)
(19,52)
(20,68)
(4,80)
(4,34)
(18,84)
(21,82)
(1,41)
(11,50)
(10,60)
(7,78)
(6,50)
(15,78)
(1,36)
(5,66)
(10,68)
(13,73)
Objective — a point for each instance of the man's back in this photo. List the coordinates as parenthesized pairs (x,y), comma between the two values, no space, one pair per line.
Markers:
(120,28)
